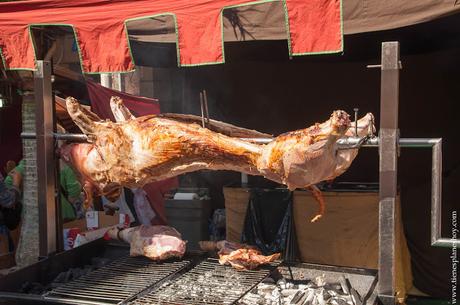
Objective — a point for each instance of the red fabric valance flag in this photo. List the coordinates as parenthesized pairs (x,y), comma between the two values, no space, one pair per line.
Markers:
(313,26)
(139,106)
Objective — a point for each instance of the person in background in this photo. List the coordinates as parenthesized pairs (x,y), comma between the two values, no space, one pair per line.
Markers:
(70,189)
(69,186)
(9,166)
(70,193)
(13,171)
(10,208)
(10,204)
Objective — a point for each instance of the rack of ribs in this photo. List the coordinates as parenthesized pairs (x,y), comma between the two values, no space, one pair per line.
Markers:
(134,151)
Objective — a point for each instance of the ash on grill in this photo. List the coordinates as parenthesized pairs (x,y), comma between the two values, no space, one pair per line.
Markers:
(305,292)
(302,291)
(207,283)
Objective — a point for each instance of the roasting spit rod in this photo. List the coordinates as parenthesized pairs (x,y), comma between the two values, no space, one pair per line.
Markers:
(350,142)
(203,123)
(74,137)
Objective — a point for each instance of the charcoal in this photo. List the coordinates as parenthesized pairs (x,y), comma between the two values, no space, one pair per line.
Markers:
(345,284)
(333,286)
(303,286)
(32,288)
(54,285)
(303,298)
(290,285)
(288,292)
(311,295)
(321,297)
(68,276)
(74,273)
(60,278)
(326,295)
(320,281)
(269,280)
(78,272)
(87,269)
(356,298)
(341,301)
(25,287)
(281,283)
(297,297)
(99,262)
(305,292)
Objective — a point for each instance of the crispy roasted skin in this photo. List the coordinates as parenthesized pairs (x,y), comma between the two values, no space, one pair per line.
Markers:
(239,256)
(136,151)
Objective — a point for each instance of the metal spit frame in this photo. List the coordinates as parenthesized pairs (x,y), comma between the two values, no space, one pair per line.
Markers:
(388,143)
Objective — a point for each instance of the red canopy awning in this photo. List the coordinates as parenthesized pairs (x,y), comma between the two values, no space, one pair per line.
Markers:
(314,26)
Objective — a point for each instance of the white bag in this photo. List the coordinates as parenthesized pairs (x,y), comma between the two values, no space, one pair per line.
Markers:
(123,207)
(144,211)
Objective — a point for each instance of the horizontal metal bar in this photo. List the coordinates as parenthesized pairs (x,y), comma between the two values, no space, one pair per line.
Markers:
(76,137)
(342,143)
(445,242)
(372,142)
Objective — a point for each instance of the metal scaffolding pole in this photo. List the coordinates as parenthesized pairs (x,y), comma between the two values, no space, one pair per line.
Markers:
(46,168)
(388,151)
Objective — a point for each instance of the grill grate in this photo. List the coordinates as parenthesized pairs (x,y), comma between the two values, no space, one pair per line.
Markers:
(115,282)
(207,283)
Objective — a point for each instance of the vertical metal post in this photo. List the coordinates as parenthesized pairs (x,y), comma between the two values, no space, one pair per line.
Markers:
(388,150)
(117,83)
(106,80)
(45,158)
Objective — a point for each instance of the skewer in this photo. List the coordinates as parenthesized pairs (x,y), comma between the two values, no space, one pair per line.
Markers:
(356,121)
(202,110)
(205,97)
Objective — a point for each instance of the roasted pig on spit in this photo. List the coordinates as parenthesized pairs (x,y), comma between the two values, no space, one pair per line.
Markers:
(239,256)
(135,151)
(155,242)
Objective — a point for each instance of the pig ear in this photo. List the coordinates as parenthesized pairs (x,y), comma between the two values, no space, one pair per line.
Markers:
(85,119)
(119,110)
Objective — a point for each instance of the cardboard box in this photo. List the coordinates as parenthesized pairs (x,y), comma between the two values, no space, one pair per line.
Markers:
(94,226)
(96,220)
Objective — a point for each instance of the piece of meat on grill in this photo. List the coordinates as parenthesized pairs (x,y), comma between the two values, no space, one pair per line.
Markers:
(155,242)
(239,256)
(136,151)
